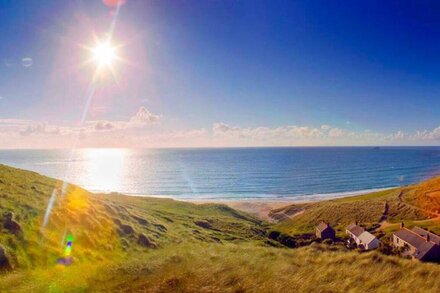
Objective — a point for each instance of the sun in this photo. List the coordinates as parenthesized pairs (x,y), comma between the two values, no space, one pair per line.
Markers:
(104,54)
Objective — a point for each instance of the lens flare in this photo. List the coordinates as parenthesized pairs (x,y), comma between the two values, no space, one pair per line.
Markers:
(67,259)
(68,249)
(104,54)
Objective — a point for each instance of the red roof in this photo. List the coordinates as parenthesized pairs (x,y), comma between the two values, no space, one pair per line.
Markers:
(355,229)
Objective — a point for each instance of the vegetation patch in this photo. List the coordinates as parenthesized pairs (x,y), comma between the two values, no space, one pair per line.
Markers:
(123,243)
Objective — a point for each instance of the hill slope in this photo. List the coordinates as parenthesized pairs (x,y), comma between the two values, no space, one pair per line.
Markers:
(158,245)
(105,225)
(235,268)
(415,205)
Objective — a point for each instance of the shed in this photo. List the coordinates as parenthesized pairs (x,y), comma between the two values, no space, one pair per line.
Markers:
(324,231)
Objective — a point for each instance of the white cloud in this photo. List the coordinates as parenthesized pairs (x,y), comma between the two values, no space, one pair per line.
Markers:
(428,135)
(323,135)
(338,132)
(104,125)
(144,130)
(144,116)
(27,61)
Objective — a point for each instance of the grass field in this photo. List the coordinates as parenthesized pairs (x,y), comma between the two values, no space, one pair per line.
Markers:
(107,225)
(235,268)
(413,205)
(128,244)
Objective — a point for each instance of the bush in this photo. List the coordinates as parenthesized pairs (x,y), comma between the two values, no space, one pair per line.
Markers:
(327,241)
(386,248)
(282,238)
(274,235)
(287,240)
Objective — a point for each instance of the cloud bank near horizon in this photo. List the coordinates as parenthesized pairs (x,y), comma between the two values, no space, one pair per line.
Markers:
(144,129)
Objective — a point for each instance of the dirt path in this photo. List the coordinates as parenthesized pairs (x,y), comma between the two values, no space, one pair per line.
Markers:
(383,219)
(383,223)
(286,215)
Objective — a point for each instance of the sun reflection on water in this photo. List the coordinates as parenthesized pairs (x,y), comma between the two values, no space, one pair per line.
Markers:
(106,168)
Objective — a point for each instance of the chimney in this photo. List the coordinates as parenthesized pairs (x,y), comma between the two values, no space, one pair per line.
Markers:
(402,225)
(427,237)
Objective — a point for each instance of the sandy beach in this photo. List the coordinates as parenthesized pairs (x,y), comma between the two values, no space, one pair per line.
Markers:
(258,208)
(262,207)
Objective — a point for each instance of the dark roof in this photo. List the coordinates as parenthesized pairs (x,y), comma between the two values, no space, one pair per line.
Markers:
(410,237)
(424,249)
(422,232)
(355,229)
(323,226)
(416,239)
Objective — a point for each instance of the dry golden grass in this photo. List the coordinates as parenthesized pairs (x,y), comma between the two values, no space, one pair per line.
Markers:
(236,268)
(201,248)
(425,195)
(414,205)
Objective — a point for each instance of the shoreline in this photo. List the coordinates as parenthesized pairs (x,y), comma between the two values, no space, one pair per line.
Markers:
(300,198)
(261,207)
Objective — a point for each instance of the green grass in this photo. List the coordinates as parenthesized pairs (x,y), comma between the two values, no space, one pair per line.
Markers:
(105,226)
(236,268)
(432,225)
(379,195)
(366,209)
(192,248)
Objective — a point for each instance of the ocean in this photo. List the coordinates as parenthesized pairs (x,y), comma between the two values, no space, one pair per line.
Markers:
(234,173)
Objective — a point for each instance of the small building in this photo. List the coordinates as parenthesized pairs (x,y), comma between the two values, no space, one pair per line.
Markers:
(363,239)
(325,231)
(418,243)
(368,241)
(354,231)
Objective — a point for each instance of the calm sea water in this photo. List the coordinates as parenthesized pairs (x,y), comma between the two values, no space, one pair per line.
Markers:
(276,173)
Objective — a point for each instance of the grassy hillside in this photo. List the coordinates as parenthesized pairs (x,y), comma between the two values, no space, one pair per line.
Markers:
(414,205)
(106,226)
(425,195)
(130,244)
(236,268)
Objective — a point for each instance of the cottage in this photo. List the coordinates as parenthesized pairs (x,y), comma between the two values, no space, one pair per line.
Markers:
(325,231)
(368,241)
(354,231)
(418,243)
(363,239)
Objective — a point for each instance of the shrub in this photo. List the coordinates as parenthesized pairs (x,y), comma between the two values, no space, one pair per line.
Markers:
(287,240)
(274,235)
(327,241)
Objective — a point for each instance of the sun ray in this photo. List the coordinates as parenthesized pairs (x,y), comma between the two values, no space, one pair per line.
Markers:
(104,54)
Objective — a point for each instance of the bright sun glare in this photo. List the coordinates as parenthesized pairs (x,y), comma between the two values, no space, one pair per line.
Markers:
(104,54)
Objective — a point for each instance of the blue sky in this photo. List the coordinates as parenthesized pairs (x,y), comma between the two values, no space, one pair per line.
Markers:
(234,73)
